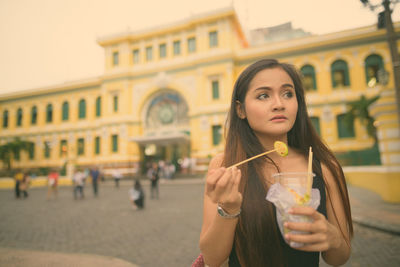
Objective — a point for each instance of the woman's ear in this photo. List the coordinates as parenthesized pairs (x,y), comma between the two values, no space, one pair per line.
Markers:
(240,110)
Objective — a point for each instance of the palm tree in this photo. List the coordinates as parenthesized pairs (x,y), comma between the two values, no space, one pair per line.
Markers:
(9,149)
(360,109)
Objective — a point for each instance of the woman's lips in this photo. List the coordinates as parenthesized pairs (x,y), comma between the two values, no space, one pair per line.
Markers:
(278,118)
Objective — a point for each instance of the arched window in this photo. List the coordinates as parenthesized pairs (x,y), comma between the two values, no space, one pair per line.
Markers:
(5,118)
(373,63)
(49,113)
(82,109)
(98,106)
(65,111)
(33,115)
(19,117)
(340,74)
(309,77)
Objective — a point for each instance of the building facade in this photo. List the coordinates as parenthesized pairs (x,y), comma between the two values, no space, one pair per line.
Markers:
(166,91)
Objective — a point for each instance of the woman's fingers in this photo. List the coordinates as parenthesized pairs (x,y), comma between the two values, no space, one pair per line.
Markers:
(213,177)
(311,227)
(222,186)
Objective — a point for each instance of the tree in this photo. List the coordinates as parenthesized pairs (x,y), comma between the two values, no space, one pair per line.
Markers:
(13,148)
(360,109)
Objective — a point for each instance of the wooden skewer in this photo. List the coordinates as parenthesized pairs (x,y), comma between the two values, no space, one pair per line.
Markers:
(309,172)
(256,156)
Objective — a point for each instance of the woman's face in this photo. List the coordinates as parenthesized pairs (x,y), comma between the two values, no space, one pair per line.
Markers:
(270,105)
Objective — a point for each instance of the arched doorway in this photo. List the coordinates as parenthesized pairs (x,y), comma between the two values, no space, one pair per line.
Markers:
(166,130)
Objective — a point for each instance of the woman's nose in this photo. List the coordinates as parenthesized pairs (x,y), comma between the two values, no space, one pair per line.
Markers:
(278,103)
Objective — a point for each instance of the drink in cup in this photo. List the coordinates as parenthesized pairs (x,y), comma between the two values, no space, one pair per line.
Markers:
(295,192)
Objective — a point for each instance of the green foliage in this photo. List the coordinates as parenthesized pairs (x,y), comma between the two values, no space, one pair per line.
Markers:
(9,149)
(359,109)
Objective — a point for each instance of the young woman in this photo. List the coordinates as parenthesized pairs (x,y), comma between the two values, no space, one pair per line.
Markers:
(239,224)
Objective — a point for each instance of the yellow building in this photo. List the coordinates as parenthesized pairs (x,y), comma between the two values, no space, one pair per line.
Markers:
(165,93)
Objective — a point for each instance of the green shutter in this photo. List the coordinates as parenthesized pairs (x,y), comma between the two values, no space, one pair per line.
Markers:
(115,103)
(340,68)
(374,63)
(216,134)
(97,145)
(115,58)
(34,115)
(82,109)
(309,73)
(114,143)
(345,129)
(5,119)
(65,111)
(81,146)
(46,150)
(31,151)
(215,89)
(19,117)
(63,148)
(49,113)
(98,106)
(213,39)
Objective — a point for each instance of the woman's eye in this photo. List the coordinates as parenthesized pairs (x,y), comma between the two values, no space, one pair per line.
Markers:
(288,94)
(262,96)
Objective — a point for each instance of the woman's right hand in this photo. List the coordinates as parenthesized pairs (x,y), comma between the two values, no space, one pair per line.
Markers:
(222,187)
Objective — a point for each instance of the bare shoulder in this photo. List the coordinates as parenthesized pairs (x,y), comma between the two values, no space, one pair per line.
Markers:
(329,177)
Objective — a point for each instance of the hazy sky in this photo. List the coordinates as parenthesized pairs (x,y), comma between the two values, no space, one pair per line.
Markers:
(47,42)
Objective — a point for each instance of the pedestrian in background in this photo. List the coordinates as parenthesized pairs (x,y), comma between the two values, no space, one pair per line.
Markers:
(95,174)
(18,177)
(79,180)
(136,195)
(116,174)
(52,184)
(24,184)
(154,176)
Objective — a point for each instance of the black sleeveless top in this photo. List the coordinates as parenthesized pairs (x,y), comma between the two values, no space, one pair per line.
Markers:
(294,257)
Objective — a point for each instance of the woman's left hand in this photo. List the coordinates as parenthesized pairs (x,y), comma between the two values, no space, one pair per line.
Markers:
(322,235)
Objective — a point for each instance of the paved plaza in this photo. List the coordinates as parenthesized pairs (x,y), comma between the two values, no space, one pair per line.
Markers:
(166,233)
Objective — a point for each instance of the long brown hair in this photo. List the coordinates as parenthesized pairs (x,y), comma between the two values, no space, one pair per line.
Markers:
(257,236)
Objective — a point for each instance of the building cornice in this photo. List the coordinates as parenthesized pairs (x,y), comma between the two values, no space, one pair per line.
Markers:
(313,43)
(184,24)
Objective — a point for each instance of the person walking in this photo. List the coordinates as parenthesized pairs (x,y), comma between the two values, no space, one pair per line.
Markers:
(52,184)
(95,174)
(24,185)
(18,177)
(78,180)
(153,175)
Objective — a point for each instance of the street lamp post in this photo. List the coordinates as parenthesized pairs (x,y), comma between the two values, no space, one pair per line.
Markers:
(391,39)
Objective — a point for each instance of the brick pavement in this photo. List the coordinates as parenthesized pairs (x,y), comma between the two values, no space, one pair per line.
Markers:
(164,234)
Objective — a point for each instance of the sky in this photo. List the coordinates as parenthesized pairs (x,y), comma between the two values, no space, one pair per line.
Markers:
(49,42)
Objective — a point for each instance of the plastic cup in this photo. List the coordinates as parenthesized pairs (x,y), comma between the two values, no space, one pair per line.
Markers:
(296,183)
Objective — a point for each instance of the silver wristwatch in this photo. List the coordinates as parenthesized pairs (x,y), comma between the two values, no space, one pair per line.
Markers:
(224,214)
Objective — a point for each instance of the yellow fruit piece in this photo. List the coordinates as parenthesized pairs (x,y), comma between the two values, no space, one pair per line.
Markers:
(281,148)
(299,199)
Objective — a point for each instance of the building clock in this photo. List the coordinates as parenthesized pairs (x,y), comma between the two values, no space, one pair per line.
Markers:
(166,114)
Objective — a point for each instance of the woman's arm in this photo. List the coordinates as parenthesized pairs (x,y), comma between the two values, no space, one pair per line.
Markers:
(217,233)
(334,206)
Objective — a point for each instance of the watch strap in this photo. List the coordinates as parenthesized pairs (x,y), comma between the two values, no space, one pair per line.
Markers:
(224,214)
